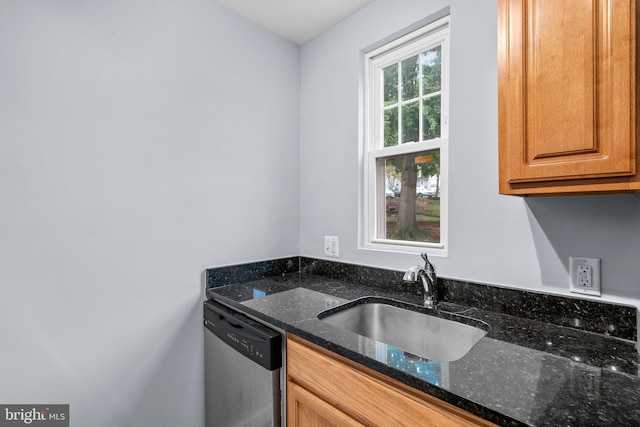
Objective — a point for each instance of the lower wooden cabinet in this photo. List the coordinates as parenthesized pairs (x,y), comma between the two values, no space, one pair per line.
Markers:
(325,389)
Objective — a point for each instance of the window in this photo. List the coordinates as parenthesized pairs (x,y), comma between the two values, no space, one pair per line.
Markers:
(406,142)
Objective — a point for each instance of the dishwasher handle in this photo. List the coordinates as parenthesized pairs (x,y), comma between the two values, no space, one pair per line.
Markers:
(252,339)
(241,330)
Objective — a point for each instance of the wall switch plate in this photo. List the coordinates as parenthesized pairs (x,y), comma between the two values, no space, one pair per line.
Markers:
(331,246)
(584,275)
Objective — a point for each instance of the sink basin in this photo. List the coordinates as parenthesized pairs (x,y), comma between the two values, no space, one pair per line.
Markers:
(423,332)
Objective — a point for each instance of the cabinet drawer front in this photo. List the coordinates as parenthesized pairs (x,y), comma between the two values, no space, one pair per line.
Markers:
(367,396)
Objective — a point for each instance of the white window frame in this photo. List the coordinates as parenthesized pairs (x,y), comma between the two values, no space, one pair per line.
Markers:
(431,35)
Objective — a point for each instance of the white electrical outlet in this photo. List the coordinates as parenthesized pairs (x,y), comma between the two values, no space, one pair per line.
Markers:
(585,275)
(331,246)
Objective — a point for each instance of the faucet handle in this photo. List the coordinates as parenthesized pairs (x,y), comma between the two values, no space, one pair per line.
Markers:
(425,257)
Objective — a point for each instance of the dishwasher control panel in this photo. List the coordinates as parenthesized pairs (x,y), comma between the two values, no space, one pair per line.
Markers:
(252,339)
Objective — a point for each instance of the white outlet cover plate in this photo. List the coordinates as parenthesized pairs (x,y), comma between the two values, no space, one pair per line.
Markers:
(574,286)
(331,246)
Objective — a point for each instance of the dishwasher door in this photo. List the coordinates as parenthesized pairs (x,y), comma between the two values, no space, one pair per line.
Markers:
(243,361)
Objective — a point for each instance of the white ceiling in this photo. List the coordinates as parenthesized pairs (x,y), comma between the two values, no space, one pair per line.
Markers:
(296,20)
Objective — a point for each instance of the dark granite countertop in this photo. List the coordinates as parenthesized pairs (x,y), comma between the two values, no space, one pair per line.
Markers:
(524,372)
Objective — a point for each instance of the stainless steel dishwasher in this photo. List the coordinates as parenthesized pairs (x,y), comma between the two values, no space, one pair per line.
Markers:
(243,364)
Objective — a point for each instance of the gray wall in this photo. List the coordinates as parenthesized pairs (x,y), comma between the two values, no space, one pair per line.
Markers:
(502,240)
(140,142)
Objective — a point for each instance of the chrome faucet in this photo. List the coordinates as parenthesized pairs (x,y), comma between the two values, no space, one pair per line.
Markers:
(426,275)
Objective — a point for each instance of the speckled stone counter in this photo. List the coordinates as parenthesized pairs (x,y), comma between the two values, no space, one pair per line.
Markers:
(542,372)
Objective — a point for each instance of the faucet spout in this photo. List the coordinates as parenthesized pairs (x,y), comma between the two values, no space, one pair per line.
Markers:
(427,276)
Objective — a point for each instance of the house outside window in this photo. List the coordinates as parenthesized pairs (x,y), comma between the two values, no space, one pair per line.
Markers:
(406,142)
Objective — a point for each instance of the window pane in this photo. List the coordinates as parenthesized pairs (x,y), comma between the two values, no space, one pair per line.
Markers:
(431,118)
(412,197)
(431,70)
(391,127)
(390,85)
(410,122)
(410,88)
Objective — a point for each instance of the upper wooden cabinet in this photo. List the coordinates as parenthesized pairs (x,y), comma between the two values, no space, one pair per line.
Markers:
(567,96)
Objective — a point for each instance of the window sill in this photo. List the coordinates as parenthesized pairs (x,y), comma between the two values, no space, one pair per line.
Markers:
(399,246)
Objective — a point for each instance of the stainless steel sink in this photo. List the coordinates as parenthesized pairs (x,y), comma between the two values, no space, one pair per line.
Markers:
(423,332)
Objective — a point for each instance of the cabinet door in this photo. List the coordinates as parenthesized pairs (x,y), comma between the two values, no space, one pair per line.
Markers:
(566,90)
(304,409)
